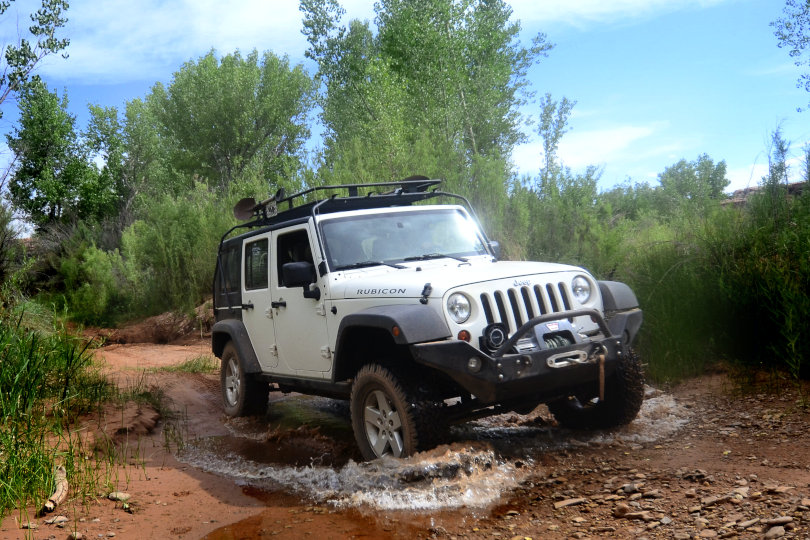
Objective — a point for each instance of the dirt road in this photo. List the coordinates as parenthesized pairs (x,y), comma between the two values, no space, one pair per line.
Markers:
(701,461)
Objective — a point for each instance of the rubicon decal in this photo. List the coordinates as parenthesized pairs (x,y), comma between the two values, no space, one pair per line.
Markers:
(371,292)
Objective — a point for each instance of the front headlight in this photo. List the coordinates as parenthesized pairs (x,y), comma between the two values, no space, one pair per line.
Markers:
(581,288)
(458,306)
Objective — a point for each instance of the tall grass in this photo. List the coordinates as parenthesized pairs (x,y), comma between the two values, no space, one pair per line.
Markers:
(46,382)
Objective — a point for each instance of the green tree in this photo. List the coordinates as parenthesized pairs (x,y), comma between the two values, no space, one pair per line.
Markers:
(437,91)
(52,179)
(553,125)
(222,118)
(696,181)
(793,32)
(17,61)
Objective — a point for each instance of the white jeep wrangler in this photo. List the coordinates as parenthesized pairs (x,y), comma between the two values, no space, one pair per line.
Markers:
(405,310)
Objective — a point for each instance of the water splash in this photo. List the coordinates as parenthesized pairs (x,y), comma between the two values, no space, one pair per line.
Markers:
(316,465)
(455,478)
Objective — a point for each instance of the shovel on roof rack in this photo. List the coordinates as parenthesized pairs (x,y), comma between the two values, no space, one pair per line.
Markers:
(248,207)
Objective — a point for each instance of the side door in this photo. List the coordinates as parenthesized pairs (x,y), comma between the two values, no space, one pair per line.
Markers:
(257,312)
(300,323)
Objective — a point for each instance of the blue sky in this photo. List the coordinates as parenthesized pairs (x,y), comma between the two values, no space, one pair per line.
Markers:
(654,80)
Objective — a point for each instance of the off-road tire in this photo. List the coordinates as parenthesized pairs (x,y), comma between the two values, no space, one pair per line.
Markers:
(242,395)
(387,419)
(624,393)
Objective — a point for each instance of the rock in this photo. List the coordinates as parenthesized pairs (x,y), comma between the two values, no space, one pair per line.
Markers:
(643,515)
(30,526)
(666,521)
(781,520)
(621,510)
(630,488)
(56,520)
(569,502)
(119,496)
(681,535)
(75,535)
(690,493)
(749,523)
(775,532)
(708,533)
(742,491)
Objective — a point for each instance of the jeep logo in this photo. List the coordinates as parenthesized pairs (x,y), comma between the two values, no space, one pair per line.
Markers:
(522,283)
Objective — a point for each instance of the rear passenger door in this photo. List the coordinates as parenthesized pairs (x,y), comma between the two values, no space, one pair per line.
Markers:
(257,313)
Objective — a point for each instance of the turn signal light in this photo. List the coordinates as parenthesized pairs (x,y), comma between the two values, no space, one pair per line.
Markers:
(464,335)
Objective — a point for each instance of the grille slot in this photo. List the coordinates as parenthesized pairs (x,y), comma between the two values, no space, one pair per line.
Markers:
(515,306)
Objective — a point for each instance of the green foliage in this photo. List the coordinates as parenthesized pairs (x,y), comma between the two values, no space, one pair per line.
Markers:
(172,249)
(793,32)
(53,179)
(10,248)
(45,382)
(443,80)
(17,62)
(225,117)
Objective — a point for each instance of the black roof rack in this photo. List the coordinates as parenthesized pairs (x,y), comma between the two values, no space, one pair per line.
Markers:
(353,197)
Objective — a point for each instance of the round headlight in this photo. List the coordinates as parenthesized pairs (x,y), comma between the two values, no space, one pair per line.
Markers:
(581,288)
(458,306)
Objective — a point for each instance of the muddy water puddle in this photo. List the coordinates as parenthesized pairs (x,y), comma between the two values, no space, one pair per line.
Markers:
(305,448)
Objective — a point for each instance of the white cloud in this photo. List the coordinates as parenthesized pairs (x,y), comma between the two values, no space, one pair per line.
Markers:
(121,41)
(580,13)
(615,146)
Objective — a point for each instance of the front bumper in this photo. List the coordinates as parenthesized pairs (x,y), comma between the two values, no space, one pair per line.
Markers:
(541,375)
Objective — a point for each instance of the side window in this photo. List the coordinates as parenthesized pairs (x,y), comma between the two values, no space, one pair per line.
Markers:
(227,272)
(292,247)
(256,264)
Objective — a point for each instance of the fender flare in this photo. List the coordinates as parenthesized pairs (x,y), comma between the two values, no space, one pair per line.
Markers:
(617,296)
(234,330)
(416,323)
(622,312)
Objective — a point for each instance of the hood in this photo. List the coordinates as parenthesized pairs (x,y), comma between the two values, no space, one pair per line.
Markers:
(441,274)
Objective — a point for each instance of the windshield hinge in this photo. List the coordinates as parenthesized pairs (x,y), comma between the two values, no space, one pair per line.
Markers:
(268,312)
(273,349)
(326,353)
(425,293)
(320,309)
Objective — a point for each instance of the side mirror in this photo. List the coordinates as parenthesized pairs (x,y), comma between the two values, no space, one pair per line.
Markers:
(301,274)
(495,248)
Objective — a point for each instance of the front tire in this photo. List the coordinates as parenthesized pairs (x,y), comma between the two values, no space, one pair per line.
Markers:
(242,395)
(384,421)
(624,393)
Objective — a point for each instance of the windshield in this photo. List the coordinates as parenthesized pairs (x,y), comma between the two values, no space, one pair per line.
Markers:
(399,236)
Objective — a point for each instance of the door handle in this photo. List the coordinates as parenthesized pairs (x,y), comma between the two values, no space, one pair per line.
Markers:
(249,305)
(280,303)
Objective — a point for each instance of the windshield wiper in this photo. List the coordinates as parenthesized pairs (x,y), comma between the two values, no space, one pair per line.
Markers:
(428,256)
(364,264)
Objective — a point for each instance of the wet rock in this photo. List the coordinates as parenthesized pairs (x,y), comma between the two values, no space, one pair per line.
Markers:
(775,532)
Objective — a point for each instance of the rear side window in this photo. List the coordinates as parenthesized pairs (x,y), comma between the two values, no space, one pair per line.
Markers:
(226,282)
(256,257)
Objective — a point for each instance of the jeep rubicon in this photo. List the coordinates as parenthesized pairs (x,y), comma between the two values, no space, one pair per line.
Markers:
(378,294)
